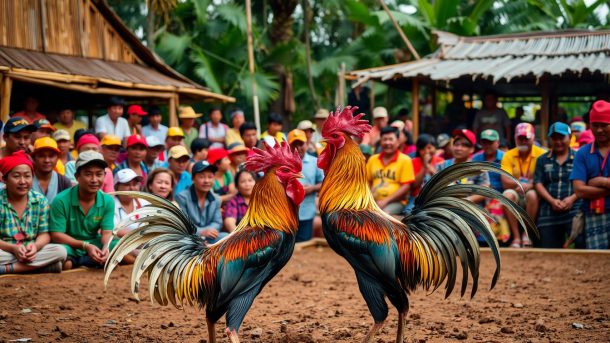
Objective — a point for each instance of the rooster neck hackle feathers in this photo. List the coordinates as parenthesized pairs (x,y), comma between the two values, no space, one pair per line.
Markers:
(344,121)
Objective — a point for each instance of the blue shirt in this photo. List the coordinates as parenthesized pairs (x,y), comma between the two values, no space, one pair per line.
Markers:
(184,181)
(208,217)
(161,133)
(495,179)
(587,165)
(313,175)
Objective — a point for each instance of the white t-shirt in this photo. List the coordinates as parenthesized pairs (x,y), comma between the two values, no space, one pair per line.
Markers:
(207,130)
(105,125)
(120,214)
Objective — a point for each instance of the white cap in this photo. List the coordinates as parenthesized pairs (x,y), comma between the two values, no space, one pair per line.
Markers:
(153,141)
(380,112)
(305,125)
(125,176)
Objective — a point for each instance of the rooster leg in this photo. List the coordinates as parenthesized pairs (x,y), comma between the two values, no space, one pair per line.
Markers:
(232,334)
(401,326)
(211,330)
(369,336)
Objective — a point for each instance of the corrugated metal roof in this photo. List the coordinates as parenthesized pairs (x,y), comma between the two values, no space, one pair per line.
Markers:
(505,57)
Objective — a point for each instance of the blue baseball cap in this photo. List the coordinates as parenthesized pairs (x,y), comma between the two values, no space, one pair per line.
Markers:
(17,124)
(201,166)
(560,128)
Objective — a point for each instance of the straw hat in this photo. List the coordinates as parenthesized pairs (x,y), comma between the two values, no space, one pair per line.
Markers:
(187,112)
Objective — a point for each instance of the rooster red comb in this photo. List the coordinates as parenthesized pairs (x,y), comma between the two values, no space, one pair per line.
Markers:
(344,120)
(279,155)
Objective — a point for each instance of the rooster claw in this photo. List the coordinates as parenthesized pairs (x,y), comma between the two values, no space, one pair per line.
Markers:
(232,334)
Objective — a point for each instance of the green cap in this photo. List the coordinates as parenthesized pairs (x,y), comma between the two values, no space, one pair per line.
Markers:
(490,135)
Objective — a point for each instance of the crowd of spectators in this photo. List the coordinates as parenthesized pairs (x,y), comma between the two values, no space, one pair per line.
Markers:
(56,212)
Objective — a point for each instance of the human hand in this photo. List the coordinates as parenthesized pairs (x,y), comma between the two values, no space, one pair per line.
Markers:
(426,159)
(308,189)
(31,252)
(568,202)
(95,253)
(20,251)
(557,205)
(209,233)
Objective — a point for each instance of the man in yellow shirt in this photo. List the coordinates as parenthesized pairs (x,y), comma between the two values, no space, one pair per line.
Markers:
(275,124)
(390,173)
(520,162)
(67,122)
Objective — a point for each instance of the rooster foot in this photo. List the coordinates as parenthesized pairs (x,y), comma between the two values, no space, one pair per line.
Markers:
(232,334)
(376,327)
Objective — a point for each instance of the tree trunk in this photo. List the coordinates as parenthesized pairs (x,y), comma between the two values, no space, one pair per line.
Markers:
(150,29)
(307,16)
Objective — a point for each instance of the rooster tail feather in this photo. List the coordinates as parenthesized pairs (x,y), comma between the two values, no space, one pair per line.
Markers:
(443,225)
(169,251)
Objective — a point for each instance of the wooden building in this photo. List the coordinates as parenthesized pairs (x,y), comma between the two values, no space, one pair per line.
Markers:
(79,51)
(548,65)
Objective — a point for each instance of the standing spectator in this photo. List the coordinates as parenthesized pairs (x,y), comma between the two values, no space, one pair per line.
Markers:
(307,127)
(577,127)
(424,164)
(46,180)
(154,127)
(590,178)
(319,119)
(161,183)
(175,136)
(112,123)
(247,131)
(558,203)
(126,180)
(201,205)
(390,173)
(30,111)
(134,118)
(187,117)
(490,152)
(82,216)
(223,179)
(214,131)
(178,161)
(136,152)
(274,128)
(443,142)
(311,181)
(237,155)
(68,123)
(380,121)
(17,135)
(24,222)
(492,117)
(155,148)
(520,162)
(111,147)
(199,148)
(88,142)
(62,137)
(233,135)
(235,209)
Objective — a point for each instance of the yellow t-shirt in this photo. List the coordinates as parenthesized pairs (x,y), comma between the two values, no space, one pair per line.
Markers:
(60,168)
(233,136)
(387,179)
(279,136)
(512,164)
(75,126)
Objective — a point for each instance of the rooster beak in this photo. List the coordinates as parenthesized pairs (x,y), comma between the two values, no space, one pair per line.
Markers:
(299,176)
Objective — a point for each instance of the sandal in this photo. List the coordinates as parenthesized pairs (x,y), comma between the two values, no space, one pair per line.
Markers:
(515,244)
(525,240)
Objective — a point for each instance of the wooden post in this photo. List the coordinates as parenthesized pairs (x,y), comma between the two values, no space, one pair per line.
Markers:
(5,107)
(173,117)
(415,108)
(545,110)
(257,119)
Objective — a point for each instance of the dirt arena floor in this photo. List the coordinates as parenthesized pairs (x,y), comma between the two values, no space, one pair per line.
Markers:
(539,298)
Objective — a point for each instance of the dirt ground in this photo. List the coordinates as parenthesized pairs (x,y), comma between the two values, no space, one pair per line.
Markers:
(539,298)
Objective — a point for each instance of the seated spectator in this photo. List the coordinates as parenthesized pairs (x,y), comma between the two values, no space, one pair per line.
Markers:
(311,181)
(126,180)
(214,131)
(319,119)
(155,148)
(520,162)
(380,120)
(46,180)
(88,142)
(424,164)
(235,209)
(178,161)
(175,136)
(223,179)
(30,111)
(390,173)
(307,127)
(187,117)
(585,138)
(233,135)
(274,128)
(68,123)
(237,155)
(62,137)
(558,202)
(161,182)
(155,128)
(82,217)
(17,135)
(134,119)
(77,136)
(111,148)
(201,205)
(112,123)
(199,148)
(490,152)
(136,152)
(443,142)
(45,129)
(24,222)
(247,131)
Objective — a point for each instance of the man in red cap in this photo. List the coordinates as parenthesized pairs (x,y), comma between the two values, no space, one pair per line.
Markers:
(136,153)
(134,118)
(24,221)
(520,162)
(590,178)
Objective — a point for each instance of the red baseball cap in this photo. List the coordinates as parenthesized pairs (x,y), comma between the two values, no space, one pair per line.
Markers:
(215,155)
(136,109)
(136,139)
(469,135)
(600,112)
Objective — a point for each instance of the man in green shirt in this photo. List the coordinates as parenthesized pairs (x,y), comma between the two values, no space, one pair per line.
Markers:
(78,215)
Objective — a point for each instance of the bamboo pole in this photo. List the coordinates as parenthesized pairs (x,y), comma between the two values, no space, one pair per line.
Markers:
(400,32)
(173,117)
(415,107)
(257,119)
(7,85)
